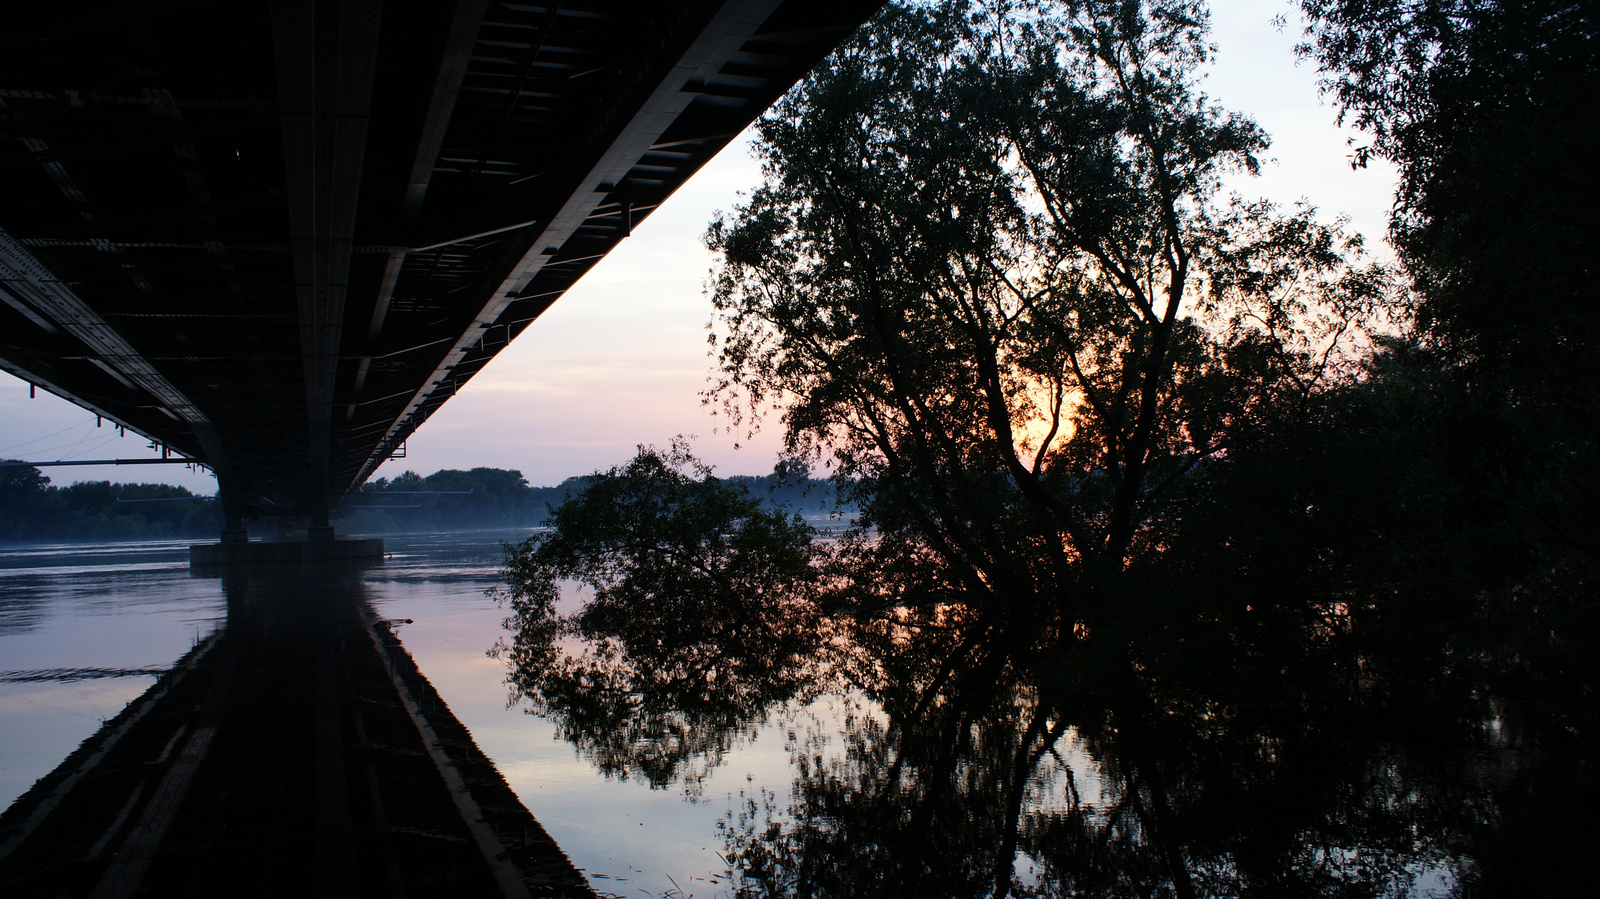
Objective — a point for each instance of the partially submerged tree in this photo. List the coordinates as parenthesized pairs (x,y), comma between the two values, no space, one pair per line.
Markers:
(992,277)
(701,615)
(1490,110)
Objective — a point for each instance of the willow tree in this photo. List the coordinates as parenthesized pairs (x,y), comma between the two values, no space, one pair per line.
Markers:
(992,276)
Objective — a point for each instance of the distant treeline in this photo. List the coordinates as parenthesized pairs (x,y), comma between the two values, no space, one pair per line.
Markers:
(495,497)
(449,499)
(31,508)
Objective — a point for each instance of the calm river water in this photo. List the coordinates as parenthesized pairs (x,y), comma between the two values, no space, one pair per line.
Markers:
(80,624)
(782,757)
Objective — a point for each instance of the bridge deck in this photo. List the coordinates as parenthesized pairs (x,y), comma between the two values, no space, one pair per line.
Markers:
(299,749)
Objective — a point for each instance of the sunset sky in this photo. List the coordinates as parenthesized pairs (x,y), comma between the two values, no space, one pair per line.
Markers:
(621,359)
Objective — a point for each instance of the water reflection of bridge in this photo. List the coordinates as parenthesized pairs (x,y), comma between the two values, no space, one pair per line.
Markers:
(297,747)
(276,237)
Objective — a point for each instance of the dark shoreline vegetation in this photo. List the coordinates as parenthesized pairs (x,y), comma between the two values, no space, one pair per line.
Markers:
(34,510)
(494,497)
(1197,554)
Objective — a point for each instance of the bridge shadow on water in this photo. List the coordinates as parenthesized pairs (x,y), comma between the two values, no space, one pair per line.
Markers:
(297,750)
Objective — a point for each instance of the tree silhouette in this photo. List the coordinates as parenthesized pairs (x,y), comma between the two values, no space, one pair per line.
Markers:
(991,277)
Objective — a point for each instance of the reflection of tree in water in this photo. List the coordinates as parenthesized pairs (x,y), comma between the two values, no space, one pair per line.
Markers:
(950,761)
(998,775)
(1190,751)
(664,710)
(916,798)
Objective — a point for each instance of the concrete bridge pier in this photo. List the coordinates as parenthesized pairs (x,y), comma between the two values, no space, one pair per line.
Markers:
(236,549)
(233,529)
(209,556)
(321,526)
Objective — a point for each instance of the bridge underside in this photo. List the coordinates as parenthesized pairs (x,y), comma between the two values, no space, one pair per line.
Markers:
(277,236)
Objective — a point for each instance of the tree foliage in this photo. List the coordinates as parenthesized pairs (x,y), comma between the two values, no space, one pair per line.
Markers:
(992,277)
(31,508)
(1491,111)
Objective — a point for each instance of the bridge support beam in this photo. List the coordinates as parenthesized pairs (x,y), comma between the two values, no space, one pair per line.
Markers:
(326,58)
